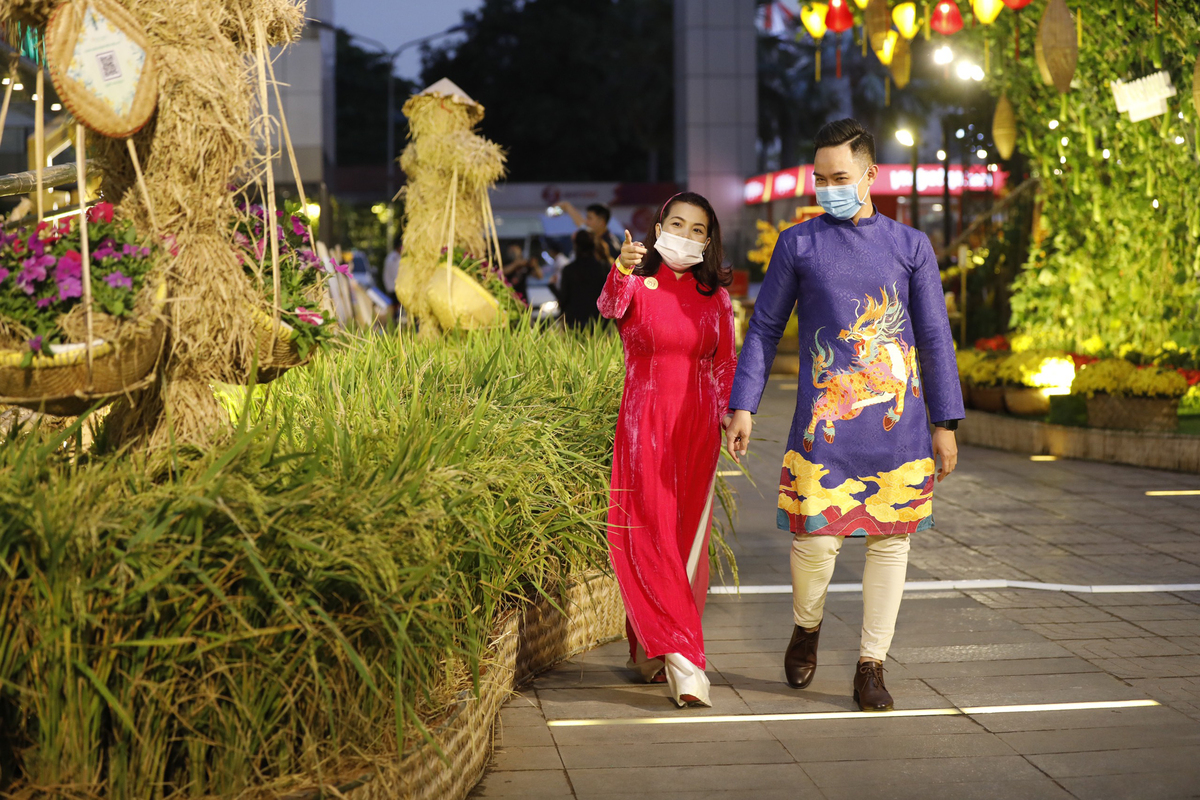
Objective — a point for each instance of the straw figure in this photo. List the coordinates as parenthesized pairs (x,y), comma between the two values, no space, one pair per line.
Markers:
(450,169)
(198,142)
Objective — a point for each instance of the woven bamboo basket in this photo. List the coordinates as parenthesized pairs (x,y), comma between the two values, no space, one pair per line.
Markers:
(59,385)
(277,350)
(988,398)
(1133,413)
(1026,402)
(524,643)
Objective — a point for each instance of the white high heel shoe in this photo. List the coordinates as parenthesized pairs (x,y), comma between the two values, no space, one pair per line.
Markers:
(688,684)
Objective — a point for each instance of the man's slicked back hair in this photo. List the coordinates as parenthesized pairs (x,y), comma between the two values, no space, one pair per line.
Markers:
(848,131)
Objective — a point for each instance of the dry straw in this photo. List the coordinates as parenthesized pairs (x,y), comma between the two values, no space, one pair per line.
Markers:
(449,169)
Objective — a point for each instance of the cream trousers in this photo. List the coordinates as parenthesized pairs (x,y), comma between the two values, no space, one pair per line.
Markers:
(813,557)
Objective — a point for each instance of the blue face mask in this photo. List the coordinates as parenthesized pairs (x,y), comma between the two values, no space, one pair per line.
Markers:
(842,202)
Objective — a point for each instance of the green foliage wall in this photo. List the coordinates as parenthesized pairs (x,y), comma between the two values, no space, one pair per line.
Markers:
(1112,269)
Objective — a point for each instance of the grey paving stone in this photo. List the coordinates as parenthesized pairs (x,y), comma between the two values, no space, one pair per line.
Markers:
(915,772)
(516,759)
(543,785)
(1024,689)
(1148,760)
(523,735)
(1089,718)
(828,694)
(514,717)
(650,781)
(1116,629)
(807,749)
(1126,737)
(871,727)
(1163,786)
(977,652)
(675,754)
(1036,789)
(655,734)
(983,669)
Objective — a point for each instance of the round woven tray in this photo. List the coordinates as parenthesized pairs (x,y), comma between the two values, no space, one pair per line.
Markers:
(277,350)
(59,384)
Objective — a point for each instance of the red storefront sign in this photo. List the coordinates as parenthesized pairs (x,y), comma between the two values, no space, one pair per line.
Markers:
(893,180)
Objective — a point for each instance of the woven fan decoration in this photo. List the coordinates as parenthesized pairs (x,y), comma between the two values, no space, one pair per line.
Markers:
(102,66)
(1145,97)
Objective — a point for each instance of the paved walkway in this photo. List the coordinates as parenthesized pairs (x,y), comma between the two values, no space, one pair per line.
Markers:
(1002,516)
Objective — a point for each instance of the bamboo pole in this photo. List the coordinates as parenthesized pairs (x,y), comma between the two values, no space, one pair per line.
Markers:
(141,179)
(450,244)
(8,90)
(39,143)
(84,249)
(287,140)
(271,223)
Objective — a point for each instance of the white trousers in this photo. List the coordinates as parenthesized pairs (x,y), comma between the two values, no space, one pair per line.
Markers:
(813,557)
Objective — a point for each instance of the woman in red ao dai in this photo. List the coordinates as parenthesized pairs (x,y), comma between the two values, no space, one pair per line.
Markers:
(676,327)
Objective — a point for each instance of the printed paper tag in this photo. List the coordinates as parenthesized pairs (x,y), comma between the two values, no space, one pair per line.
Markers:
(107,62)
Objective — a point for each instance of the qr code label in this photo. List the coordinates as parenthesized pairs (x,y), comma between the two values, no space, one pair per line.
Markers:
(110,70)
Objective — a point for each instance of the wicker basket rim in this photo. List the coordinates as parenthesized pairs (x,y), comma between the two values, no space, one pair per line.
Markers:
(13,358)
(282,331)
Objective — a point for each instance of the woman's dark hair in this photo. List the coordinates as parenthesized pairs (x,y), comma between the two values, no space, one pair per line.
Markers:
(710,273)
(585,245)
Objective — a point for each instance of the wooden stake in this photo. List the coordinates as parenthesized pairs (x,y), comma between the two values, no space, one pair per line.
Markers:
(39,143)
(450,245)
(84,248)
(272,223)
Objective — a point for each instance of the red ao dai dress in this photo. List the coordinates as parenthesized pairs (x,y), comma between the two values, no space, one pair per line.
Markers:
(679,365)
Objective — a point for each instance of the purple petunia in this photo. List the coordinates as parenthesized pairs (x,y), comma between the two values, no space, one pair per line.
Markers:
(342,268)
(298,227)
(241,239)
(35,344)
(34,272)
(311,317)
(44,302)
(118,281)
(69,288)
(3,273)
(69,266)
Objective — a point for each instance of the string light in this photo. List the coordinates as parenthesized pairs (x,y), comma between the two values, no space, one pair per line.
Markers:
(982,154)
(943,55)
(1053,124)
(1155,203)
(1107,153)
(941,155)
(1065,141)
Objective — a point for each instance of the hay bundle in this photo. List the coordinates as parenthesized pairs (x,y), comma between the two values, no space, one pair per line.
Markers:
(450,169)
(198,142)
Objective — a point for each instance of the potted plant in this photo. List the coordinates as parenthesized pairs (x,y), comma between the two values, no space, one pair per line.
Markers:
(966,360)
(987,388)
(1122,395)
(45,361)
(304,324)
(1031,376)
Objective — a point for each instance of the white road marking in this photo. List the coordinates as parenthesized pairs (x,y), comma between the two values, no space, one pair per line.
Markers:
(938,586)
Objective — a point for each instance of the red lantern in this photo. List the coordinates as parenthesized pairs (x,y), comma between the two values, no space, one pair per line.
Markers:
(1017,5)
(946,18)
(839,17)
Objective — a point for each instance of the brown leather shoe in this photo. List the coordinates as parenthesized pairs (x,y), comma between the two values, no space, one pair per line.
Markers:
(869,691)
(800,660)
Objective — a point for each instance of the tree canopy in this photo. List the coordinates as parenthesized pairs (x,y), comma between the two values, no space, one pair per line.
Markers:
(575,90)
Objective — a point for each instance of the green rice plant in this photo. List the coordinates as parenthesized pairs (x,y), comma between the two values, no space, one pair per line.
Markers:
(313,596)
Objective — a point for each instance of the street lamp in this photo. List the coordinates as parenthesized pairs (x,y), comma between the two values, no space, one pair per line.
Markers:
(909,139)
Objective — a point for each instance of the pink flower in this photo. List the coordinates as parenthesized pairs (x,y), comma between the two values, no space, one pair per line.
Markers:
(3,273)
(118,281)
(259,248)
(241,239)
(298,227)
(172,245)
(69,287)
(34,272)
(35,344)
(311,317)
(101,212)
(342,268)
(69,266)
(43,302)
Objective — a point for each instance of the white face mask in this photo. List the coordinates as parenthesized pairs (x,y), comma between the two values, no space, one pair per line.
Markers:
(679,253)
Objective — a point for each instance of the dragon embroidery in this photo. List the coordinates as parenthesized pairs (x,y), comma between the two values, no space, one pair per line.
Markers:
(882,369)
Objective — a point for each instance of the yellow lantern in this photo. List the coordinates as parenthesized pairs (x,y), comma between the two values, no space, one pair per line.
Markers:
(901,65)
(986,11)
(888,51)
(905,17)
(862,3)
(813,17)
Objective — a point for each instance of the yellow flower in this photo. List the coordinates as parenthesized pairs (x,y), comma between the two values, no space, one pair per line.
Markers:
(768,236)
(1021,342)
(1092,345)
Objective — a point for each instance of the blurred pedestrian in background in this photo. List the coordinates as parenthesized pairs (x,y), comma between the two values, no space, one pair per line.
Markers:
(581,283)
(596,222)
(518,268)
(391,272)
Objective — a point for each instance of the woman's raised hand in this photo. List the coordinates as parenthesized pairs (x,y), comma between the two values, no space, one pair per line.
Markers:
(631,252)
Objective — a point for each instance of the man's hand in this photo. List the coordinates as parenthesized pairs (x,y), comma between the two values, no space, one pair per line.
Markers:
(737,433)
(945,451)
(631,252)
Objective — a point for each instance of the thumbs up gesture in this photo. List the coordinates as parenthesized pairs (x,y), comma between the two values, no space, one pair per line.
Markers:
(631,252)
